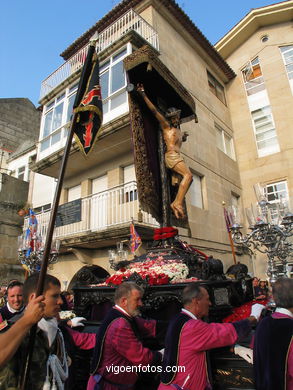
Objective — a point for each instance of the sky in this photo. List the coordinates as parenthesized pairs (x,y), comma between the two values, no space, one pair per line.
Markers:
(33,33)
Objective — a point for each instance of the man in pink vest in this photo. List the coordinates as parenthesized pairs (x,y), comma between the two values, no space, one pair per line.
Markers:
(273,347)
(119,356)
(188,338)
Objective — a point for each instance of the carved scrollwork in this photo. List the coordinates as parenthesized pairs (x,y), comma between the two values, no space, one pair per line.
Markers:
(94,297)
(156,301)
(135,277)
(89,275)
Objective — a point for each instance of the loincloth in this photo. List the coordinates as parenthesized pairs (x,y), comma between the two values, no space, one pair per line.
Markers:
(172,158)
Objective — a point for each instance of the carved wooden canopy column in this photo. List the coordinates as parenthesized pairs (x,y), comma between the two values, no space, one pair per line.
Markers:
(164,90)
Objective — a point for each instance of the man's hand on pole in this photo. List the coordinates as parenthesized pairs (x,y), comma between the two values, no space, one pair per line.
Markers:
(34,310)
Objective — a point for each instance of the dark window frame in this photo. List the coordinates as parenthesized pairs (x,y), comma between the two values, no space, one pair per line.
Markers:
(216,88)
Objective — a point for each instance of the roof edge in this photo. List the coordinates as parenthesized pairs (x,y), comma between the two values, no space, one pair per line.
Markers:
(254,18)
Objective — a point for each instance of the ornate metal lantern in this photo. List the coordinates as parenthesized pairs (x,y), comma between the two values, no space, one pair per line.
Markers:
(271,229)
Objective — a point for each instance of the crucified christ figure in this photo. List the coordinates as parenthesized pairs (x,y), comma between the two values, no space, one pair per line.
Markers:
(170,125)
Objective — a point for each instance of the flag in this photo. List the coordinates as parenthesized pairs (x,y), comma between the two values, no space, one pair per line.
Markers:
(227,220)
(88,104)
(33,222)
(31,232)
(135,240)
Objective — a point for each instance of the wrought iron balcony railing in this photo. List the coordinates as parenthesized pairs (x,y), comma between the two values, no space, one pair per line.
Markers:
(129,21)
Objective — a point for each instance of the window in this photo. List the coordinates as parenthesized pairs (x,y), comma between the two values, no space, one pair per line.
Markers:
(130,190)
(196,191)
(252,76)
(287,54)
(277,192)
(71,97)
(53,118)
(42,209)
(265,132)
(236,209)
(21,173)
(235,200)
(74,193)
(224,141)
(56,114)
(129,173)
(277,195)
(216,88)
(113,84)
(100,184)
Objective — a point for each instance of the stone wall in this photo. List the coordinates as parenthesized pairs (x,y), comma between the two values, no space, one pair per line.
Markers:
(19,121)
(13,193)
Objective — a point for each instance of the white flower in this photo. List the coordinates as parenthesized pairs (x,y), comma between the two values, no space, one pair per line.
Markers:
(175,270)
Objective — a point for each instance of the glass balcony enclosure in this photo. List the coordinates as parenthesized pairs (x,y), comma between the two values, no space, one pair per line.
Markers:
(57,112)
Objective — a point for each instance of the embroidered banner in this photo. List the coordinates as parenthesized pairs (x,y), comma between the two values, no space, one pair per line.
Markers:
(90,108)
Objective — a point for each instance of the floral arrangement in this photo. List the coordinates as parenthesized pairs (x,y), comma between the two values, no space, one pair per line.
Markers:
(243,311)
(155,270)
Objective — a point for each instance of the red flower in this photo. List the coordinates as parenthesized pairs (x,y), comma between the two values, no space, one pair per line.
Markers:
(157,279)
(243,311)
(115,279)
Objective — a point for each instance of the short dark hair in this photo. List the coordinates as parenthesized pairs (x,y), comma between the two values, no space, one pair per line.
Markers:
(193,290)
(13,283)
(30,285)
(124,289)
(283,293)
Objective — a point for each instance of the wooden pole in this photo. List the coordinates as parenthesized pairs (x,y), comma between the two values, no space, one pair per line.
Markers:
(232,247)
(166,211)
(47,250)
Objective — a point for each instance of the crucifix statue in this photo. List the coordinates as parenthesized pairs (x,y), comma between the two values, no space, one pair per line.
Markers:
(157,137)
(173,137)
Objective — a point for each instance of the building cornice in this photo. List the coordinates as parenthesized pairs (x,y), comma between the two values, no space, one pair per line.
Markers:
(254,20)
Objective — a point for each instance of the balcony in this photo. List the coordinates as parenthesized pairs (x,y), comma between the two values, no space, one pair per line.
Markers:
(105,216)
(130,21)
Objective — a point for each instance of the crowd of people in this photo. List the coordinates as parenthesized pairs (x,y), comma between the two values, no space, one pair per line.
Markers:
(118,352)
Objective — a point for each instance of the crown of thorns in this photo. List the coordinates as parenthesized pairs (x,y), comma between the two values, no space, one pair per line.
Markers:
(172,112)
